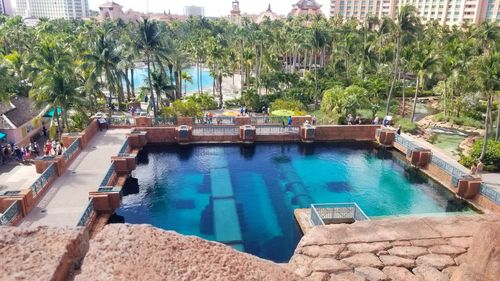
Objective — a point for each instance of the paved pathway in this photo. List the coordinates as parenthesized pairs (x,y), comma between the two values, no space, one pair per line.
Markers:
(16,176)
(66,200)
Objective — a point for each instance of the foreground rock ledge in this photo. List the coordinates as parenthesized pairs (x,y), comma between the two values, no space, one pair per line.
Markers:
(140,252)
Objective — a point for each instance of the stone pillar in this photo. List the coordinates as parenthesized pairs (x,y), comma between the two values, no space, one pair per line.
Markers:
(468,187)
(124,164)
(386,137)
(307,133)
(243,120)
(247,133)
(188,121)
(301,120)
(137,139)
(183,133)
(143,121)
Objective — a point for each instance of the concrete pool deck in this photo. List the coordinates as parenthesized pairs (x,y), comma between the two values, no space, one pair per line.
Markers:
(66,200)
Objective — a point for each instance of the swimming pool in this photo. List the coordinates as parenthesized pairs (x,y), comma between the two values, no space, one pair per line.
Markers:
(141,75)
(245,196)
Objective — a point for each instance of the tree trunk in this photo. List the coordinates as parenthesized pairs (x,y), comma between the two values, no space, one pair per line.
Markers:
(486,128)
(132,81)
(444,98)
(497,134)
(221,99)
(259,71)
(404,97)
(396,70)
(152,97)
(415,102)
(127,82)
(201,77)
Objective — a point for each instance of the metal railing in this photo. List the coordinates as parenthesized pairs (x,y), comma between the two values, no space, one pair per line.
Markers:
(330,213)
(267,120)
(216,131)
(121,121)
(71,150)
(108,175)
(447,167)
(406,143)
(43,179)
(164,121)
(124,147)
(10,214)
(86,213)
(490,193)
(276,130)
(216,120)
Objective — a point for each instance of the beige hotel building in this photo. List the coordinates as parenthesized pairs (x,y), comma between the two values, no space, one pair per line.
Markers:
(451,12)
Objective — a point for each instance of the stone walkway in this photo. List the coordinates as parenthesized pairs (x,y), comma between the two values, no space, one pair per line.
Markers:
(66,200)
(16,176)
(391,249)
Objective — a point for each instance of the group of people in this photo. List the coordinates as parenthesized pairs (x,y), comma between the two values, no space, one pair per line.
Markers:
(53,148)
(353,121)
(21,153)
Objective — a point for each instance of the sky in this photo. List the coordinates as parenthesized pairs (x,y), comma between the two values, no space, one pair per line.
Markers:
(213,8)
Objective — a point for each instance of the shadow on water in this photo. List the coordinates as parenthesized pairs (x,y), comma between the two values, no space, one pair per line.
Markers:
(307,149)
(116,219)
(131,186)
(247,151)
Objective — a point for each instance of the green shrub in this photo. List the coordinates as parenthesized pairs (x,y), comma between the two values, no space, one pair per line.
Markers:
(491,161)
(292,105)
(187,108)
(406,125)
(232,103)
(205,101)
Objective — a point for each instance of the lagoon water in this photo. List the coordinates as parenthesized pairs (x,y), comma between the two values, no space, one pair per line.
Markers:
(245,196)
(141,75)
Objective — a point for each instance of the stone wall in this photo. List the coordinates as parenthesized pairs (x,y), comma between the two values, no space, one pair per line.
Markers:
(125,252)
(391,249)
(340,133)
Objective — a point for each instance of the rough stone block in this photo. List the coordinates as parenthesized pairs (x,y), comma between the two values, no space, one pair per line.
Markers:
(369,247)
(410,252)
(399,274)
(428,273)
(371,274)
(438,261)
(364,259)
(452,251)
(388,260)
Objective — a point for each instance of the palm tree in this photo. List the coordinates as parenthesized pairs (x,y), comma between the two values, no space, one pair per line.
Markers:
(186,78)
(486,73)
(55,82)
(406,24)
(103,57)
(149,44)
(424,63)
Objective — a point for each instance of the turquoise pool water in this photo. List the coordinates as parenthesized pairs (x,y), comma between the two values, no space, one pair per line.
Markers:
(141,75)
(245,196)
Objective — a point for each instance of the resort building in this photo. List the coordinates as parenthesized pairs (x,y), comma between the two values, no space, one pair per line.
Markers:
(194,11)
(451,12)
(112,10)
(267,14)
(305,7)
(53,9)
(19,120)
(6,7)
(236,16)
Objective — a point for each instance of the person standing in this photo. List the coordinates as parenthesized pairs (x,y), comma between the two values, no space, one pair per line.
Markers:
(289,121)
(375,121)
